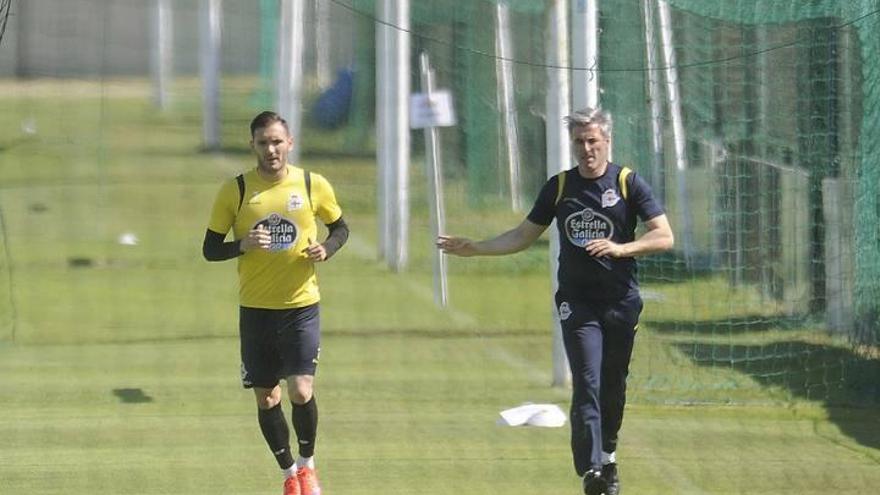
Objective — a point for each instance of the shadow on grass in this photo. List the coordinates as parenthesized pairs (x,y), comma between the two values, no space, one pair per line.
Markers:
(729,326)
(14,143)
(131,395)
(837,377)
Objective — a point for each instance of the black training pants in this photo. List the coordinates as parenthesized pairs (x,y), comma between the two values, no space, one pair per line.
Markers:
(598,337)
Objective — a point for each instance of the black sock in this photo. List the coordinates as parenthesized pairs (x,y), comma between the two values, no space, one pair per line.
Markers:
(277,434)
(305,423)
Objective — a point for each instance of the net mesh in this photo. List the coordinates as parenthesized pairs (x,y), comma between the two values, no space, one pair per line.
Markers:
(771,293)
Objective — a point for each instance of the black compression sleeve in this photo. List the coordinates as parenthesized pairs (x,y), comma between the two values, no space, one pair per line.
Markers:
(277,434)
(305,424)
(337,237)
(215,249)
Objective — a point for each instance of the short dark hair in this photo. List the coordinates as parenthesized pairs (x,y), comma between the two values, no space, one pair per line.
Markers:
(265,119)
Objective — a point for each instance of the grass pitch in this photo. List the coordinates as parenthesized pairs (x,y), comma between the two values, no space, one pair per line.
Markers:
(119,372)
(400,413)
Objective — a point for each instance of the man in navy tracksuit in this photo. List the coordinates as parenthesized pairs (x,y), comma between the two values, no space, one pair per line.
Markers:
(596,206)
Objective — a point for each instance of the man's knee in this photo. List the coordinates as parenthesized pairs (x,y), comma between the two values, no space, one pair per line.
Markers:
(300,388)
(267,398)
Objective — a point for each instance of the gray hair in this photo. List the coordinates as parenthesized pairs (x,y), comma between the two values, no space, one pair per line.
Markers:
(590,116)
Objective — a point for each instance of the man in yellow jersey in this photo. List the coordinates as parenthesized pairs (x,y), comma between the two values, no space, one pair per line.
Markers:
(272,211)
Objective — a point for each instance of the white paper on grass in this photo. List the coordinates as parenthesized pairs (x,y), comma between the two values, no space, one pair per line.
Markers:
(545,415)
(127,239)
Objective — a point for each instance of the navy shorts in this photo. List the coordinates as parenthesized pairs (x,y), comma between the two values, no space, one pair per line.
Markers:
(277,343)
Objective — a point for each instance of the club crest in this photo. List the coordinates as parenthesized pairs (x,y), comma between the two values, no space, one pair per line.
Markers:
(564,311)
(245,380)
(295,202)
(609,198)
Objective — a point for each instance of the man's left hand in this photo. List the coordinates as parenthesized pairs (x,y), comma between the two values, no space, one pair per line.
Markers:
(315,251)
(604,248)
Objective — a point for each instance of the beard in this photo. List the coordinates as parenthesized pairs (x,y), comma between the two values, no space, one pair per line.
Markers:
(268,164)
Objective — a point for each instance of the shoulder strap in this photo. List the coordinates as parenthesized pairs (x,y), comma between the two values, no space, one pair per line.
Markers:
(560,182)
(240,180)
(308,178)
(621,180)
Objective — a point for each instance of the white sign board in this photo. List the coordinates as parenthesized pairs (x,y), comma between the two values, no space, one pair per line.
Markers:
(433,111)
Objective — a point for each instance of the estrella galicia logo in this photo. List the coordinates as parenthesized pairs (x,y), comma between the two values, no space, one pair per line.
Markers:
(583,226)
(282,230)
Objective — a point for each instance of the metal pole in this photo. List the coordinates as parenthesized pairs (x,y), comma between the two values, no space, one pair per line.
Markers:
(383,130)
(435,188)
(23,17)
(323,42)
(210,25)
(504,71)
(759,131)
(558,155)
(282,90)
(585,53)
(400,92)
(678,133)
(161,53)
(290,70)
(657,163)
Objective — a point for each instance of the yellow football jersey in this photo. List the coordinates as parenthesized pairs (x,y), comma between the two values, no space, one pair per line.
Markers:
(281,277)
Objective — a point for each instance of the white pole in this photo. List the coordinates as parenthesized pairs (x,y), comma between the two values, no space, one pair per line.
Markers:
(282,93)
(759,130)
(323,42)
(162,51)
(678,134)
(654,88)
(558,155)
(290,73)
(504,71)
(585,53)
(400,93)
(209,58)
(383,112)
(294,115)
(764,82)
(435,188)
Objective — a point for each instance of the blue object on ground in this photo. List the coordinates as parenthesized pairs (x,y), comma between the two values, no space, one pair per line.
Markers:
(332,107)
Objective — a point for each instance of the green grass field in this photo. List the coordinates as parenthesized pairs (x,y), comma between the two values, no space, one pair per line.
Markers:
(119,363)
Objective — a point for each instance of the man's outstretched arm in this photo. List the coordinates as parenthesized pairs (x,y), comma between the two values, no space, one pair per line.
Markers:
(512,241)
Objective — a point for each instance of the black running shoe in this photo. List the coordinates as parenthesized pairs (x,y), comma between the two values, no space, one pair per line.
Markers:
(609,474)
(594,484)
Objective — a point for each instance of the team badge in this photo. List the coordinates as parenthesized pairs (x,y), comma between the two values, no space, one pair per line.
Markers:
(295,202)
(245,380)
(564,311)
(609,198)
